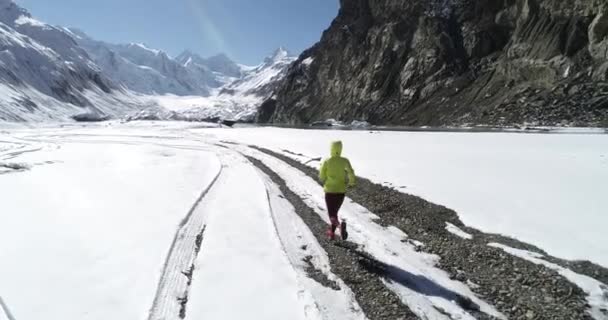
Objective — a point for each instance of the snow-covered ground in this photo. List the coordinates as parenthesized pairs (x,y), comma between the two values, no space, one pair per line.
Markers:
(99,220)
(86,229)
(535,187)
(222,106)
(234,265)
(102,220)
(244,261)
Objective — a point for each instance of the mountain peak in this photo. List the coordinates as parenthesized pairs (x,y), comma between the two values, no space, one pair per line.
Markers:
(223,64)
(142,46)
(77,33)
(220,58)
(279,54)
(187,53)
(7,4)
(10,12)
(187,57)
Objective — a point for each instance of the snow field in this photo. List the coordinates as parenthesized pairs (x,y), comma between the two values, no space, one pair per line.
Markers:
(88,232)
(96,207)
(242,270)
(533,187)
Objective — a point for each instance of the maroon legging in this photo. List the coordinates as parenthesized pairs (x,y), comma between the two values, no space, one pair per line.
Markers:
(334,201)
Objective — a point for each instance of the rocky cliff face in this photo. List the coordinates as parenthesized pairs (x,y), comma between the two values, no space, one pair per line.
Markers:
(453,62)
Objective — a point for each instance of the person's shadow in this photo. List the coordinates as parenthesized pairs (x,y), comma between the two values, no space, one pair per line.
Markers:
(418,283)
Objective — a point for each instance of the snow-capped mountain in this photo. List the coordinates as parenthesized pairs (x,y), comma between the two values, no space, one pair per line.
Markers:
(220,64)
(261,80)
(146,70)
(44,74)
(49,72)
(238,100)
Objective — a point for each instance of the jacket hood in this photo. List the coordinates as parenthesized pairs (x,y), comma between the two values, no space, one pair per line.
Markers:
(336,148)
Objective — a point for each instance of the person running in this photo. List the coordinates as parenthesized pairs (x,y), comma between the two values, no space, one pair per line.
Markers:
(336,174)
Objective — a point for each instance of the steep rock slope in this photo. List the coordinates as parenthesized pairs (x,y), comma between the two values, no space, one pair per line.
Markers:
(44,74)
(453,62)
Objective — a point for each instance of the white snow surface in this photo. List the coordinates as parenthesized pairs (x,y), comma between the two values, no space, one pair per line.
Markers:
(597,292)
(112,211)
(104,229)
(242,270)
(86,230)
(308,61)
(533,187)
(232,107)
(29,20)
(5,313)
(457,231)
(104,224)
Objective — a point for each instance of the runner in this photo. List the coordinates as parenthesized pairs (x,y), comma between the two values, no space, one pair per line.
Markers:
(336,174)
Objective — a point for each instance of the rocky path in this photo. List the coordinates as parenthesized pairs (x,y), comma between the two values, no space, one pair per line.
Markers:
(389,278)
(519,287)
(377,301)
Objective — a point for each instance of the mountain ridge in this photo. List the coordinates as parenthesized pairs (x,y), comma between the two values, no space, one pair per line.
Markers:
(46,75)
(453,63)
(56,73)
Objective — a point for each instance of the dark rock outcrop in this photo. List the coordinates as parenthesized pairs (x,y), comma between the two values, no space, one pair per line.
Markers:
(453,62)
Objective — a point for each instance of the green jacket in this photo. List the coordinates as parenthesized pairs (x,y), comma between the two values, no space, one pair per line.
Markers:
(336,170)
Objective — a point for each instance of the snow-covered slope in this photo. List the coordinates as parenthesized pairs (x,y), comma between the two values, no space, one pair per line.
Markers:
(146,70)
(53,73)
(221,65)
(238,100)
(260,80)
(44,74)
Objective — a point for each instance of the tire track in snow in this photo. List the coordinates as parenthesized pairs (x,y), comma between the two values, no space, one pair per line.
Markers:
(172,292)
(243,272)
(4,308)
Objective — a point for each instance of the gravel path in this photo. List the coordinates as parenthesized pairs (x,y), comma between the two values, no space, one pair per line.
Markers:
(375,299)
(518,288)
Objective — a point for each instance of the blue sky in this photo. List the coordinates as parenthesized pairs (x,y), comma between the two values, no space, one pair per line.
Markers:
(246,30)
